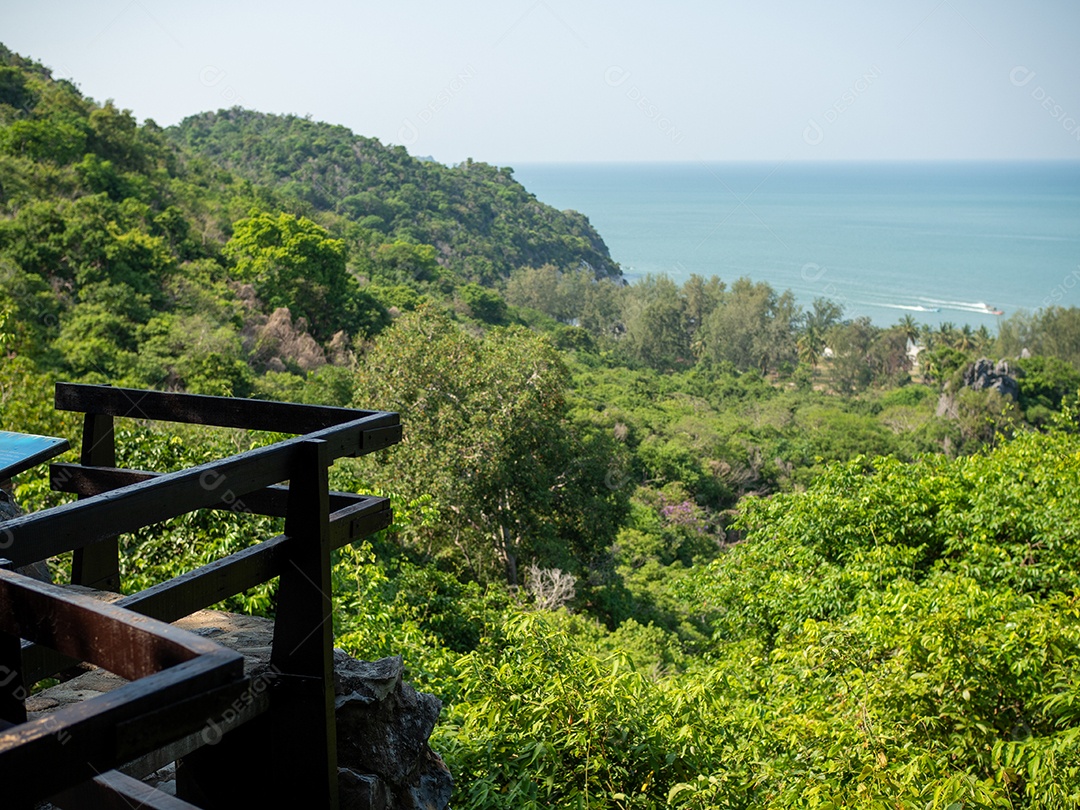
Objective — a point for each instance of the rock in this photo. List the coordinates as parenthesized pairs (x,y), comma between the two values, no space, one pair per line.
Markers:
(982,375)
(946,407)
(433,785)
(362,791)
(367,681)
(383,726)
(8,509)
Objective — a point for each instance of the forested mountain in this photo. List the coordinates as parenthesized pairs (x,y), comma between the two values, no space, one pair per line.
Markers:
(483,222)
(128,258)
(655,545)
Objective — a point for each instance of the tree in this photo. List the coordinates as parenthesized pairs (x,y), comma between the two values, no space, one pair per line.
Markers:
(295,263)
(1045,382)
(482,304)
(399,262)
(946,334)
(700,298)
(889,359)
(487,434)
(965,338)
(539,288)
(601,302)
(822,317)
(909,327)
(851,343)
(1054,331)
(99,336)
(753,328)
(656,333)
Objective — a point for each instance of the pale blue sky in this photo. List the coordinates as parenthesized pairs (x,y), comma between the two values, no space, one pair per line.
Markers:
(572,80)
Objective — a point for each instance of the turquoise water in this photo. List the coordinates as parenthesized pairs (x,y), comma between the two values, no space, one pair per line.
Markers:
(882,239)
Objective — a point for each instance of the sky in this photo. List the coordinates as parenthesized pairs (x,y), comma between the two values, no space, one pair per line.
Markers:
(527,81)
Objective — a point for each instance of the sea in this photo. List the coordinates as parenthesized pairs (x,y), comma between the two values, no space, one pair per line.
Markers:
(954,242)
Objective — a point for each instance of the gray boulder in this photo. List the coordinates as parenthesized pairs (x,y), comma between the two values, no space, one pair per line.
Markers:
(982,375)
(383,725)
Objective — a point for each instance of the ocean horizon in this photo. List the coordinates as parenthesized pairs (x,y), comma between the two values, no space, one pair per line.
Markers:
(942,241)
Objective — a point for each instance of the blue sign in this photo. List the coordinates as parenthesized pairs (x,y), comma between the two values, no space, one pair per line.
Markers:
(21,451)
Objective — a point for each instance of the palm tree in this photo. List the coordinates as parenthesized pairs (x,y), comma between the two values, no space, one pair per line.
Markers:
(946,334)
(810,346)
(910,328)
(927,337)
(965,341)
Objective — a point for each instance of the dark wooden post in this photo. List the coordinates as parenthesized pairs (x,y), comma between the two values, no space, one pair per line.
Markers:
(98,565)
(12,693)
(304,744)
(12,688)
(295,743)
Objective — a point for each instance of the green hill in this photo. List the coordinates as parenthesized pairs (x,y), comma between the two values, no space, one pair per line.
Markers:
(483,222)
(239,252)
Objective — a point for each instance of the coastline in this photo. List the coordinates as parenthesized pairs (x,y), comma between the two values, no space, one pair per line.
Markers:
(881,238)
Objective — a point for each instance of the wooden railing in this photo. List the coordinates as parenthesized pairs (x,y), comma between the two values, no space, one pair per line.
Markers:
(278,747)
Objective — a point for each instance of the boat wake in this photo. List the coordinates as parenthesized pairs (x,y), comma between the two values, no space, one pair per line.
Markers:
(964,306)
(911,308)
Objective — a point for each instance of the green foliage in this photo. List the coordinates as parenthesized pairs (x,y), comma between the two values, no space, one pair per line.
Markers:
(489,439)
(401,262)
(752,328)
(41,140)
(862,523)
(656,335)
(1052,331)
(1045,382)
(899,635)
(780,602)
(571,297)
(15,95)
(482,221)
(542,723)
(399,296)
(483,304)
(294,263)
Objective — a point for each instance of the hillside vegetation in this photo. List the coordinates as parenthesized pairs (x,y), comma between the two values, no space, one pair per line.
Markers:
(483,223)
(653,545)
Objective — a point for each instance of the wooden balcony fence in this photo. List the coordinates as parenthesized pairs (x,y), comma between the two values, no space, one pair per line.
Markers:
(279,747)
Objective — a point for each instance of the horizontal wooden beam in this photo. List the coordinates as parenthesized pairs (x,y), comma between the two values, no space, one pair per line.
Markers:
(75,743)
(183,595)
(218,580)
(40,535)
(239,703)
(117,791)
(80,626)
(78,742)
(163,406)
(359,520)
(212,583)
(89,481)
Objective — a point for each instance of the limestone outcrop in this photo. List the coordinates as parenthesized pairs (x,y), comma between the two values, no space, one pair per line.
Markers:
(982,375)
(383,729)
